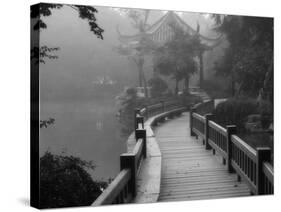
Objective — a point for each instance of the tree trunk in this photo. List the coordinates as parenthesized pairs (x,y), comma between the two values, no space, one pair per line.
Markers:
(140,75)
(142,80)
(232,84)
(144,84)
(268,84)
(177,87)
(186,84)
(201,70)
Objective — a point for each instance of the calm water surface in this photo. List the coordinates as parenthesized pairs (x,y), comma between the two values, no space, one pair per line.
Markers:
(87,129)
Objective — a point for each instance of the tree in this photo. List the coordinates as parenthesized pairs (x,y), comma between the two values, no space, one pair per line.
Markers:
(38,54)
(137,51)
(177,57)
(64,182)
(128,102)
(249,56)
(158,86)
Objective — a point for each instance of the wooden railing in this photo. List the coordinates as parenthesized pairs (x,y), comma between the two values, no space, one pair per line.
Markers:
(157,108)
(117,191)
(252,165)
(124,188)
(202,108)
(268,176)
(217,138)
(198,124)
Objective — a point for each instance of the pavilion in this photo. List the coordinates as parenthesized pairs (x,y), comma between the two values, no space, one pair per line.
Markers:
(160,32)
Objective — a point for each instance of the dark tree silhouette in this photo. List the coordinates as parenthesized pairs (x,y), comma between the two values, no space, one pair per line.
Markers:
(64,182)
(177,57)
(136,53)
(249,57)
(39,54)
(128,101)
(46,123)
(158,86)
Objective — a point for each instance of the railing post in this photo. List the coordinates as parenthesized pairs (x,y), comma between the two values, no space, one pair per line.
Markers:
(141,134)
(263,154)
(139,120)
(192,110)
(208,117)
(163,106)
(230,129)
(137,112)
(128,161)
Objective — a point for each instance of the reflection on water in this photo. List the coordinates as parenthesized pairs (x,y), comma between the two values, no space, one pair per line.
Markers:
(87,129)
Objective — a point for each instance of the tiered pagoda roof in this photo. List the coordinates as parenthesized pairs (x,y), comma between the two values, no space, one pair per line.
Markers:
(160,32)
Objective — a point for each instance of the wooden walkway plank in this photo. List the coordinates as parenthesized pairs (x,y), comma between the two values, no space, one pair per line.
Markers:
(189,172)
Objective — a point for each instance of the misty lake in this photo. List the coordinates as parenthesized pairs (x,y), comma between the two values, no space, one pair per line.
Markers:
(87,129)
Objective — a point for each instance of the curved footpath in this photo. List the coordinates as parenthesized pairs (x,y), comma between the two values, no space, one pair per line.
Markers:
(189,171)
(149,175)
(179,168)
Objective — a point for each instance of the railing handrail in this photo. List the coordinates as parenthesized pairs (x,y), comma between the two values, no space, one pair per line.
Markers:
(268,171)
(115,188)
(138,152)
(203,106)
(115,192)
(249,163)
(242,145)
(198,116)
(217,127)
(160,106)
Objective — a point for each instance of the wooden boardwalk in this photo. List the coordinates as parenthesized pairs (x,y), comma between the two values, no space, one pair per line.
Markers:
(190,172)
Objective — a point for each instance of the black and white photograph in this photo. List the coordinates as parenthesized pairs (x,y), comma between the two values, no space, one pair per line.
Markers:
(118,105)
(133,105)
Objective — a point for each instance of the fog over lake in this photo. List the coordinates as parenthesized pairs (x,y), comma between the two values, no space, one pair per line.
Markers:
(86,124)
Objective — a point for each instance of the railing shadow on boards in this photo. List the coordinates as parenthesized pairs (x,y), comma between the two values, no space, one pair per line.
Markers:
(252,165)
(124,187)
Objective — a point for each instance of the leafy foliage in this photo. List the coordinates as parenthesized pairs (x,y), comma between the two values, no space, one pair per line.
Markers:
(43,52)
(88,13)
(177,57)
(235,111)
(45,9)
(158,86)
(214,89)
(249,57)
(135,51)
(266,112)
(64,182)
(128,101)
(46,123)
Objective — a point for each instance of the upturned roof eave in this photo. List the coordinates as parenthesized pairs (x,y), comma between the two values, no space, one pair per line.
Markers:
(153,28)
